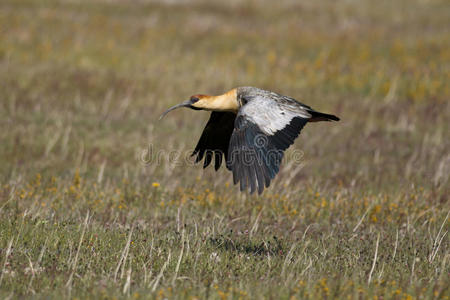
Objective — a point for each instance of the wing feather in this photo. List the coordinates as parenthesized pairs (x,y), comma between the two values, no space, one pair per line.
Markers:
(256,149)
(215,139)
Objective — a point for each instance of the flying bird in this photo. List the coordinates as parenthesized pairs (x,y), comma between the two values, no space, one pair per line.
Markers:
(251,128)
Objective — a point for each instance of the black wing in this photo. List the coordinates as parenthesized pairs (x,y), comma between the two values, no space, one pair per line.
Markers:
(255,156)
(215,139)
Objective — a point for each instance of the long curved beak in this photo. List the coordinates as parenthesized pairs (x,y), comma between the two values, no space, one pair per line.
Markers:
(186,103)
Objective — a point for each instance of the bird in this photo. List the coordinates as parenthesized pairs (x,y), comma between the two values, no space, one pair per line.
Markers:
(251,128)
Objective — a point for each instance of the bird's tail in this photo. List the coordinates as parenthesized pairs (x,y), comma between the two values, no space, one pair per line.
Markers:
(318,116)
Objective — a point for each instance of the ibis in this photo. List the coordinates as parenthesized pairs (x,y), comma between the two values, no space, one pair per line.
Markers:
(251,128)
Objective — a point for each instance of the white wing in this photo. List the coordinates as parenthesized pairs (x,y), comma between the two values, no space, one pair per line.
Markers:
(262,131)
(270,116)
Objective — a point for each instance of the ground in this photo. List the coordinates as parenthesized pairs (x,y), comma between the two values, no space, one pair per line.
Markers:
(99,199)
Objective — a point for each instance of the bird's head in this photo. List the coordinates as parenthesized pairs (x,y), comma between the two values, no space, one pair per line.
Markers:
(225,102)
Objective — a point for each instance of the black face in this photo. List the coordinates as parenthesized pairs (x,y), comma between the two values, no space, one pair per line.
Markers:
(194,99)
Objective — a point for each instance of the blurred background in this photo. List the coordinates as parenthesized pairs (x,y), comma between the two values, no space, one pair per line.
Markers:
(82,85)
(83,82)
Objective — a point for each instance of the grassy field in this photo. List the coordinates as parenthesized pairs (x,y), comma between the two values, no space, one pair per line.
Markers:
(97,199)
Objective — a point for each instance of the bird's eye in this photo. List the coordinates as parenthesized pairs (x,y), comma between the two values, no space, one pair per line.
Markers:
(194,99)
(243,101)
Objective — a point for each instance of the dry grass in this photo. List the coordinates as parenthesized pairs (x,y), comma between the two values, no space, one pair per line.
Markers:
(93,203)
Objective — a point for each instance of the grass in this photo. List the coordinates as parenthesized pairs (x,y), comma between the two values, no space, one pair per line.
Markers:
(97,199)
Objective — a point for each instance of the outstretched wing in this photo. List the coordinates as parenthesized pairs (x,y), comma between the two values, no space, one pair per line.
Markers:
(215,139)
(262,131)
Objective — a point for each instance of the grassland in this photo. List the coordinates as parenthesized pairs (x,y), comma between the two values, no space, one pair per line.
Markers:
(92,206)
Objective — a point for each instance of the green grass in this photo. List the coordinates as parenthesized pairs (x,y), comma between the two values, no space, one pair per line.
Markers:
(93,204)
